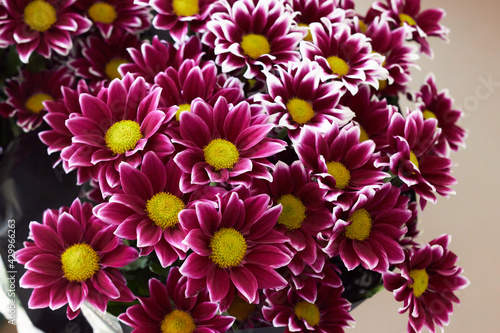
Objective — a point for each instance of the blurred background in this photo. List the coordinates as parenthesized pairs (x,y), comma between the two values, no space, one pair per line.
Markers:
(464,67)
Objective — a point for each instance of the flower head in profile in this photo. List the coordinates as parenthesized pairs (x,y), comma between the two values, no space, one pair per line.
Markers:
(167,309)
(223,144)
(176,16)
(438,104)
(41,26)
(252,34)
(343,56)
(100,59)
(298,97)
(328,312)
(235,248)
(341,163)
(115,126)
(27,94)
(114,18)
(369,232)
(73,257)
(426,282)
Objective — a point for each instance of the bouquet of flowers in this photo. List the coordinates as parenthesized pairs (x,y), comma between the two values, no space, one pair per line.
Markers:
(243,163)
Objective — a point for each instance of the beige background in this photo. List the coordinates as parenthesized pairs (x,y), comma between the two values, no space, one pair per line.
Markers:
(470,216)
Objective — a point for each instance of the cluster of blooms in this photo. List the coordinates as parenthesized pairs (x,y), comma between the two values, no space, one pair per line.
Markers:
(254,149)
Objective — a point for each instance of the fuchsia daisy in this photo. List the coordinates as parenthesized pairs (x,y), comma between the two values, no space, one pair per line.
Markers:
(235,248)
(169,310)
(253,34)
(176,16)
(223,144)
(438,105)
(117,125)
(426,283)
(341,163)
(298,97)
(368,233)
(156,56)
(328,312)
(146,209)
(343,56)
(72,259)
(304,213)
(419,24)
(27,93)
(101,58)
(113,18)
(41,26)
(181,87)
(412,157)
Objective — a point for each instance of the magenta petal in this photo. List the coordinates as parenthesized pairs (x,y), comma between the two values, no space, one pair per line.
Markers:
(148,234)
(365,253)
(268,255)
(196,266)
(103,284)
(135,182)
(40,298)
(76,292)
(121,256)
(198,242)
(245,282)
(47,264)
(58,296)
(46,238)
(217,283)
(267,277)
(69,229)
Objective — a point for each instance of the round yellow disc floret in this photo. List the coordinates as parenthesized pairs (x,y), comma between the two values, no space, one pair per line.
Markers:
(111,68)
(123,136)
(340,173)
(255,45)
(102,12)
(308,312)
(178,321)
(361,225)
(338,65)
(164,208)
(221,154)
(185,7)
(79,262)
(40,15)
(228,248)
(293,212)
(300,110)
(420,281)
(35,102)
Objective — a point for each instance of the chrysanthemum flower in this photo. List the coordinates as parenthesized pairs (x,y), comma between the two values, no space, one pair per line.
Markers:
(59,136)
(72,259)
(235,247)
(147,208)
(155,57)
(329,312)
(27,93)
(304,213)
(438,105)
(101,58)
(406,13)
(341,163)
(411,143)
(169,310)
(371,114)
(117,125)
(181,87)
(113,18)
(343,56)
(223,145)
(298,97)
(253,34)
(41,26)
(175,16)
(426,283)
(399,56)
(368,233)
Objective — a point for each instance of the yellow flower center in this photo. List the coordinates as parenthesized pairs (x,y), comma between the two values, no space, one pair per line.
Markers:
(308,312)
(414,160)
(182,108)
(308,37)
(102,12)
(35,102)
(362,26)
(300,110)
(382,84)
(420,281)
(255,45)
(178,321)
(221,154)
(111,69)
(40,15)
(363,135)
(406,18)
(240,309)
(228,248)
(361,225)
(163,209)
(123,136)
(340,173)
(79,262)
(293,213)
(186,7)
(338,66)
(429,114)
